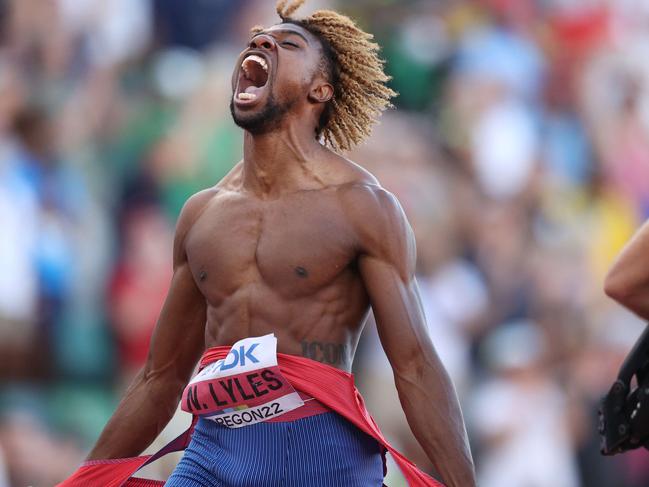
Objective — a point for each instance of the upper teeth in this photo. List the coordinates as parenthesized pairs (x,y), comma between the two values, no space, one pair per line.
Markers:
(257,59)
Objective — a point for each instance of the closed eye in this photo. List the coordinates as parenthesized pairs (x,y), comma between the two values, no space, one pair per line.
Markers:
(289,43)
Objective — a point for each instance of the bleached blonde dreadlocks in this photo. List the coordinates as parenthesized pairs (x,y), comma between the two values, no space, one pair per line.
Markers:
(356,72)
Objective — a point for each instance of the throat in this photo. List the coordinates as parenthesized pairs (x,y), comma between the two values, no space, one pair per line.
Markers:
(279,161)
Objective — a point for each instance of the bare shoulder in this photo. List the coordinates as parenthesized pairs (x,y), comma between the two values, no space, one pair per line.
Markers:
(367,203)
(191,211)
(341,171)
(197,203)
(193,207)
(377,218)
(360,193)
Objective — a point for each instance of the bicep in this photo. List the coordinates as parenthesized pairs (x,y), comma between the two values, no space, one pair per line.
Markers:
(387,266)
(398,313)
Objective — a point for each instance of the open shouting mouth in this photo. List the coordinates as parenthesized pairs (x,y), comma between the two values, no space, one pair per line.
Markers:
(253,79)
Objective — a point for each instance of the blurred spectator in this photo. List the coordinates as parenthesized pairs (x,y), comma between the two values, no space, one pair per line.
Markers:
(519,151)
(139,284)
(18,281)
(522,444)
(60,198)
(34,456)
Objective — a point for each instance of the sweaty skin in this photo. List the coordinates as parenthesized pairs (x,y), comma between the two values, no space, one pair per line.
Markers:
(300,242)
(628,279)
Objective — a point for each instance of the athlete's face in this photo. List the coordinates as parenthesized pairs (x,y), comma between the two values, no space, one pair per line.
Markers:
(277,74)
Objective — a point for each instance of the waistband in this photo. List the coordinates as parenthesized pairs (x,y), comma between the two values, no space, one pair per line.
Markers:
(334,388)
(311,407)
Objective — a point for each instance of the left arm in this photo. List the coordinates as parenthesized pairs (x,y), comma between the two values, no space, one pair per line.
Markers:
(429,400)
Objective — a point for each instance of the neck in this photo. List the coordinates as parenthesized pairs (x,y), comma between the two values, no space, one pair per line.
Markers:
(279,160)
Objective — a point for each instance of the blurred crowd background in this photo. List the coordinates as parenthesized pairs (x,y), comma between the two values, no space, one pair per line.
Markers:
(519,149)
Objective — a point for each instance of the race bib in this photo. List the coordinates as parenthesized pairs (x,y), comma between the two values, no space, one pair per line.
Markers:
(245,388)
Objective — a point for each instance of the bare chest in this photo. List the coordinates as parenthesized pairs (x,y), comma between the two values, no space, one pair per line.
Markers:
(295,245)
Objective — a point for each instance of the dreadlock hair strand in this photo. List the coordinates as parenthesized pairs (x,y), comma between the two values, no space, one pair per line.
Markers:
(285,11)
(356,72)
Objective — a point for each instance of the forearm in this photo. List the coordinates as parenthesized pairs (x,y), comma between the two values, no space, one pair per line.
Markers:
(176,345)
(387,266)
(145,410)
(433,412)
(628,279)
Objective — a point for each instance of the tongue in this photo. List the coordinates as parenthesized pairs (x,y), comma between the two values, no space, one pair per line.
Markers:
(254,90)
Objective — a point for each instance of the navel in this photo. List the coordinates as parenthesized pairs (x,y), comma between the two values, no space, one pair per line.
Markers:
(202,276)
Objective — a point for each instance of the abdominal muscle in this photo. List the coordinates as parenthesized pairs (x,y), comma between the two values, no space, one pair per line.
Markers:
(324,326)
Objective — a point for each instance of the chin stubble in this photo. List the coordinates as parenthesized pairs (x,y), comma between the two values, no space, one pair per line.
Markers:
(263,121)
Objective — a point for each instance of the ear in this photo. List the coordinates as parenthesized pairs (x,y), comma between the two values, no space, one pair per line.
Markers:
(321,92)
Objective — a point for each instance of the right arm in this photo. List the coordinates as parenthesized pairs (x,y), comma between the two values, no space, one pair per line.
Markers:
(387,255)
(627,282)
(176,345)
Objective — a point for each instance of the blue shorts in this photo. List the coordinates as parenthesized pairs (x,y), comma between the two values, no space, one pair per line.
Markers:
(321,450)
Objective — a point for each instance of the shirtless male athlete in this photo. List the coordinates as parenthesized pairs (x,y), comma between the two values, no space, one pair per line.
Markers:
(296,241)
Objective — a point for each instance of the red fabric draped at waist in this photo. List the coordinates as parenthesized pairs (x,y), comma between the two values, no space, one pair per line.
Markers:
(332,387)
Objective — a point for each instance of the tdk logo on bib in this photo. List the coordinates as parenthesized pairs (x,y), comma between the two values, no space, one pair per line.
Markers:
(239,357)
(245,355)
(244,388)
